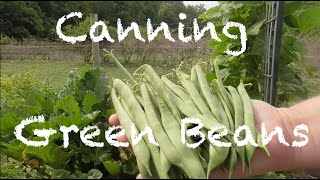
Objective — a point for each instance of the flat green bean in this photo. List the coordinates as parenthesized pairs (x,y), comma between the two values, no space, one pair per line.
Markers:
(160,135)
(192,90)
(153,79)
(154,150)
(194,78)
(227,111)
(232,160)
(153,99)
(248,121)
(140,118)
(221,87)
(238,119)
(212,100)
(217,156)
(188,110)
(192,166)
(165,163)
(142,170)
(141,149)
(178,90)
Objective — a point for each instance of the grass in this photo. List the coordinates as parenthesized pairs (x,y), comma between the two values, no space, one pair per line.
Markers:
(56,72)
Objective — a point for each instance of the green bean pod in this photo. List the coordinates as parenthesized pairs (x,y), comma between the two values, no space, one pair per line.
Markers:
(140,119)
(249,121)
(221,87)
(153,79)
(232,160)
(165,163)
(238,119)
(141,149)
(153,99)
(188,110)
(142,170)
(227,111)
(192,90)
(217,155)
(212,100)
(192,165)
(160,134)
(178,90)
(194,78)
(260,143)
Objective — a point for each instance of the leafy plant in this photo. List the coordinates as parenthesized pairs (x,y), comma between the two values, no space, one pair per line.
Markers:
(83,101)
(4,39)
(249,65)
(16,88)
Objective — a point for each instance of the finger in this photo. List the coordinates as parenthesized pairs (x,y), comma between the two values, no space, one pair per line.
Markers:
(139,176)
(122,138)
(113,120)
(125,139)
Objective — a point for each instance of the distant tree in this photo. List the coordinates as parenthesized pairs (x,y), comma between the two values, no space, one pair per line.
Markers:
(21,19)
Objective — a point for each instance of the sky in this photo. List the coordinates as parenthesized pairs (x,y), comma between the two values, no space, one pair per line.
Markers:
(207,4)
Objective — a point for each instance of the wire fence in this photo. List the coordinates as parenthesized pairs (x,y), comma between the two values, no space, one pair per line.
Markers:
(167,54)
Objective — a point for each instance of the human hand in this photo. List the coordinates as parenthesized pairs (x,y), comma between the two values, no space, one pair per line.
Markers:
(281,157)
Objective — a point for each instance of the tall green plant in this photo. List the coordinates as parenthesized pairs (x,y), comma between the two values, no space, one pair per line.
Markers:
(249,65)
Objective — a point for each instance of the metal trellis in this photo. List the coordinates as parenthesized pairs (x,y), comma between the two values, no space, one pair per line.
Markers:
(274,22)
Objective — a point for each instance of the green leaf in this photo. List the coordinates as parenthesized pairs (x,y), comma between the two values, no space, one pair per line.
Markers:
(94,174)
(291,21)
(87,68)
(91,116)
(76,119)
(13,149)
(68,104)
(219,49)
(113,167)
(258,45)
(89,100)
(7,124)
(130,166)
(291,7)
(51,154)
(80,175)
(202,16)
(210,77)
(45,125)
(309,19)
(211,13)
(255,29)
(246,79)
(62,174)
(213,10)
(237,5)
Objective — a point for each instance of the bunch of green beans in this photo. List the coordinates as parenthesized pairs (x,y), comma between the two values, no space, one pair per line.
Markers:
(161,104)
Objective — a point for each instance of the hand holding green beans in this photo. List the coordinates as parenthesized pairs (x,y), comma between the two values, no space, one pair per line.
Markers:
(159,103)
(281,158)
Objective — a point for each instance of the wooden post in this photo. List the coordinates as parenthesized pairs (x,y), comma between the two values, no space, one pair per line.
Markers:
(95,56)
